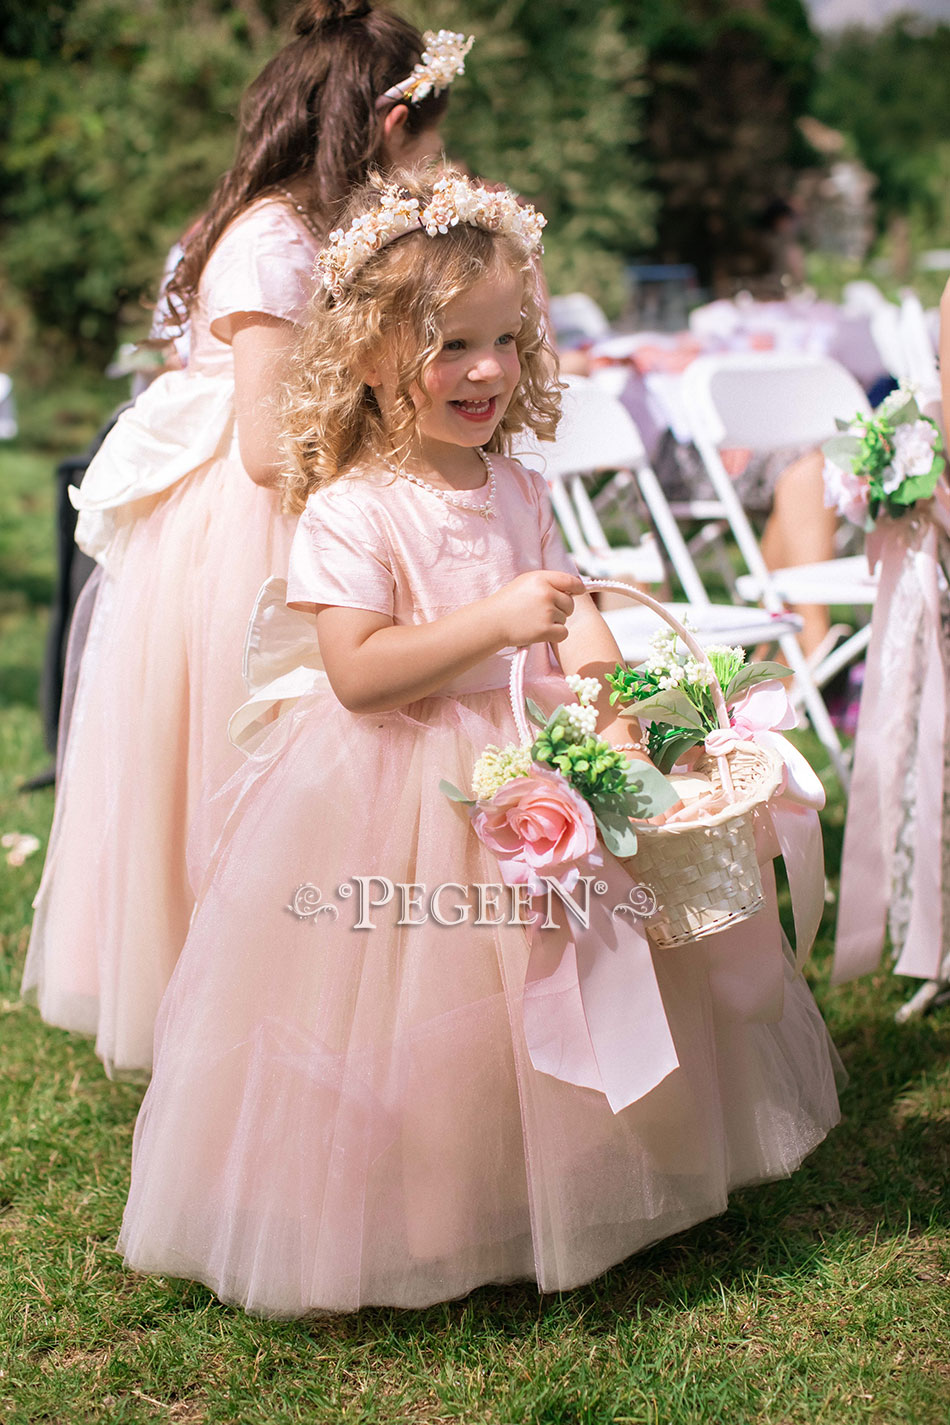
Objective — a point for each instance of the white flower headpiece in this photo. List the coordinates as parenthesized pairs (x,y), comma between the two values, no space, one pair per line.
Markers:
(454,200)
(443,59)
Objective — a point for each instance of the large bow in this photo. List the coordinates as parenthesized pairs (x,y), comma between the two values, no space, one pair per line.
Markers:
(181,421)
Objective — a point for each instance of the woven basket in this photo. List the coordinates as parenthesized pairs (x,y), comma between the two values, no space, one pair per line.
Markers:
(701,868)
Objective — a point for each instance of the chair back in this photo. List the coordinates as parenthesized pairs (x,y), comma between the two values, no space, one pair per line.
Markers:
(919,354)
(596,433)
(765,400)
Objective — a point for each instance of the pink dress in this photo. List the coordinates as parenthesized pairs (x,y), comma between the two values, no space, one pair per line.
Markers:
(185,539)
(358,1103)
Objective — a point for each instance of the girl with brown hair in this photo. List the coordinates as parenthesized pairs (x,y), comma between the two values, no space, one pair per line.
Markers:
(179,508)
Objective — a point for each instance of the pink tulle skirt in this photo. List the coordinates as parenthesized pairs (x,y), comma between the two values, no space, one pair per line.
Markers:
(344,1116)
(159,677)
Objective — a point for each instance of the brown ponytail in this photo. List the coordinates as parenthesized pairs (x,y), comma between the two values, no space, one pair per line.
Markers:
(310,17)
(310,118)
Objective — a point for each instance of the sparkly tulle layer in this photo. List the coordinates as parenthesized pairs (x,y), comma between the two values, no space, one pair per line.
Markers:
(160,676)
(342,1117)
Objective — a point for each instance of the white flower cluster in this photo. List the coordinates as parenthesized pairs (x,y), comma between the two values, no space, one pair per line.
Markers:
(585,690)
(498,765)
(893,403)
(454,200)
(581,722)
(443,59)
(677,670)
(458,200)
(913,454)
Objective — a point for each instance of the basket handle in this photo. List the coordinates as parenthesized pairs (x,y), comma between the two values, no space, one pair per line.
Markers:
(516,680)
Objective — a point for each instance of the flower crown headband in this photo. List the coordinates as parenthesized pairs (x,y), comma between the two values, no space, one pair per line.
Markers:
(443,59)
(454,200)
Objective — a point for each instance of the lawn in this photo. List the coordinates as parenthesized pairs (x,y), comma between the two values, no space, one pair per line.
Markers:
(823,1298)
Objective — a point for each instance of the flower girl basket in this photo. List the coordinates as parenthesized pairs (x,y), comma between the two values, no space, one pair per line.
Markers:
(701,865)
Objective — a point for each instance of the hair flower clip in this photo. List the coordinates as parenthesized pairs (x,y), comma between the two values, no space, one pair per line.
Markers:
(443,59)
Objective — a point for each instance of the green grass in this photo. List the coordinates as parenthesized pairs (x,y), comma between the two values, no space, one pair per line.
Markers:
(823,1298)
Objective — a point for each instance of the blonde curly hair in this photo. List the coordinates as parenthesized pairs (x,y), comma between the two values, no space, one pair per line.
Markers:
(394,305)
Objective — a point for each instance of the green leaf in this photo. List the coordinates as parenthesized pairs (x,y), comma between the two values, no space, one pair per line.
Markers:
(449,790)
(843,450)
(672,707)
(909,411)
(619,836)
(918,487)
(648,791)
(751,673)
(535,713)
(673,748)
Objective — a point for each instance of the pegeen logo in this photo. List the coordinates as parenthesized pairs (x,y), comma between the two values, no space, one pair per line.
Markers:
(479,905)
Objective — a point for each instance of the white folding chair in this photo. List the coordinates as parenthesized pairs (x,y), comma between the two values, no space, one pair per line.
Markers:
(763,401)
(863,298)
(598,434)
(8,421)
(920,357)
(886,334)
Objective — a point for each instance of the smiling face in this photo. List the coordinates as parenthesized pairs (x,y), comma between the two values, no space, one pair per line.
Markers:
(468,386)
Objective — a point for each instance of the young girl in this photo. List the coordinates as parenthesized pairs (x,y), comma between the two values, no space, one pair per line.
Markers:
(179,510)
(372,1083)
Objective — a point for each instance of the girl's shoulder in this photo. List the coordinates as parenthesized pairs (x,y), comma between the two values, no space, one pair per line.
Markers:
(359,492)
(269,224)
(530,485)
(262,262)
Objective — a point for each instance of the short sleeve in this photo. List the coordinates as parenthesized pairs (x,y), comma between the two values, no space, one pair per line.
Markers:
(554,552)
(339,557)
(262,263)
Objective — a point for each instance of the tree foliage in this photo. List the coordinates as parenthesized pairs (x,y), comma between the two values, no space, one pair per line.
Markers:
(726,83)
(888,90)
(119,118)
(551,103)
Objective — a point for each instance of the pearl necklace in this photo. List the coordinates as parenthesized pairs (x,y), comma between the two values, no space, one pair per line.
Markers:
(486,510)
(305,217)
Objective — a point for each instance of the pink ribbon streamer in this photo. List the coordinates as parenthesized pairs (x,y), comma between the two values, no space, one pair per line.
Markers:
(593,1013)
(788,826)
(907,553)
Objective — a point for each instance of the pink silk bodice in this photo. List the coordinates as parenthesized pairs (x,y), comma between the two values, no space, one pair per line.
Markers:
(375,541)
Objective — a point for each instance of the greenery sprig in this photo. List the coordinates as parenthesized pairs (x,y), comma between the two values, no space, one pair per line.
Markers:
(671,694)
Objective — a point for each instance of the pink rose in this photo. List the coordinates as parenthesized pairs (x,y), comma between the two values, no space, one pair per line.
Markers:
(537,823)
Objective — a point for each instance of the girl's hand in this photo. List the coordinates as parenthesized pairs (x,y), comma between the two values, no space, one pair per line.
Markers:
(535,607)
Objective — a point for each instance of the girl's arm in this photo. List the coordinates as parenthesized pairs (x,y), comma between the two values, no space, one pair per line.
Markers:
(261,346)
(591,651)
(375,665)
